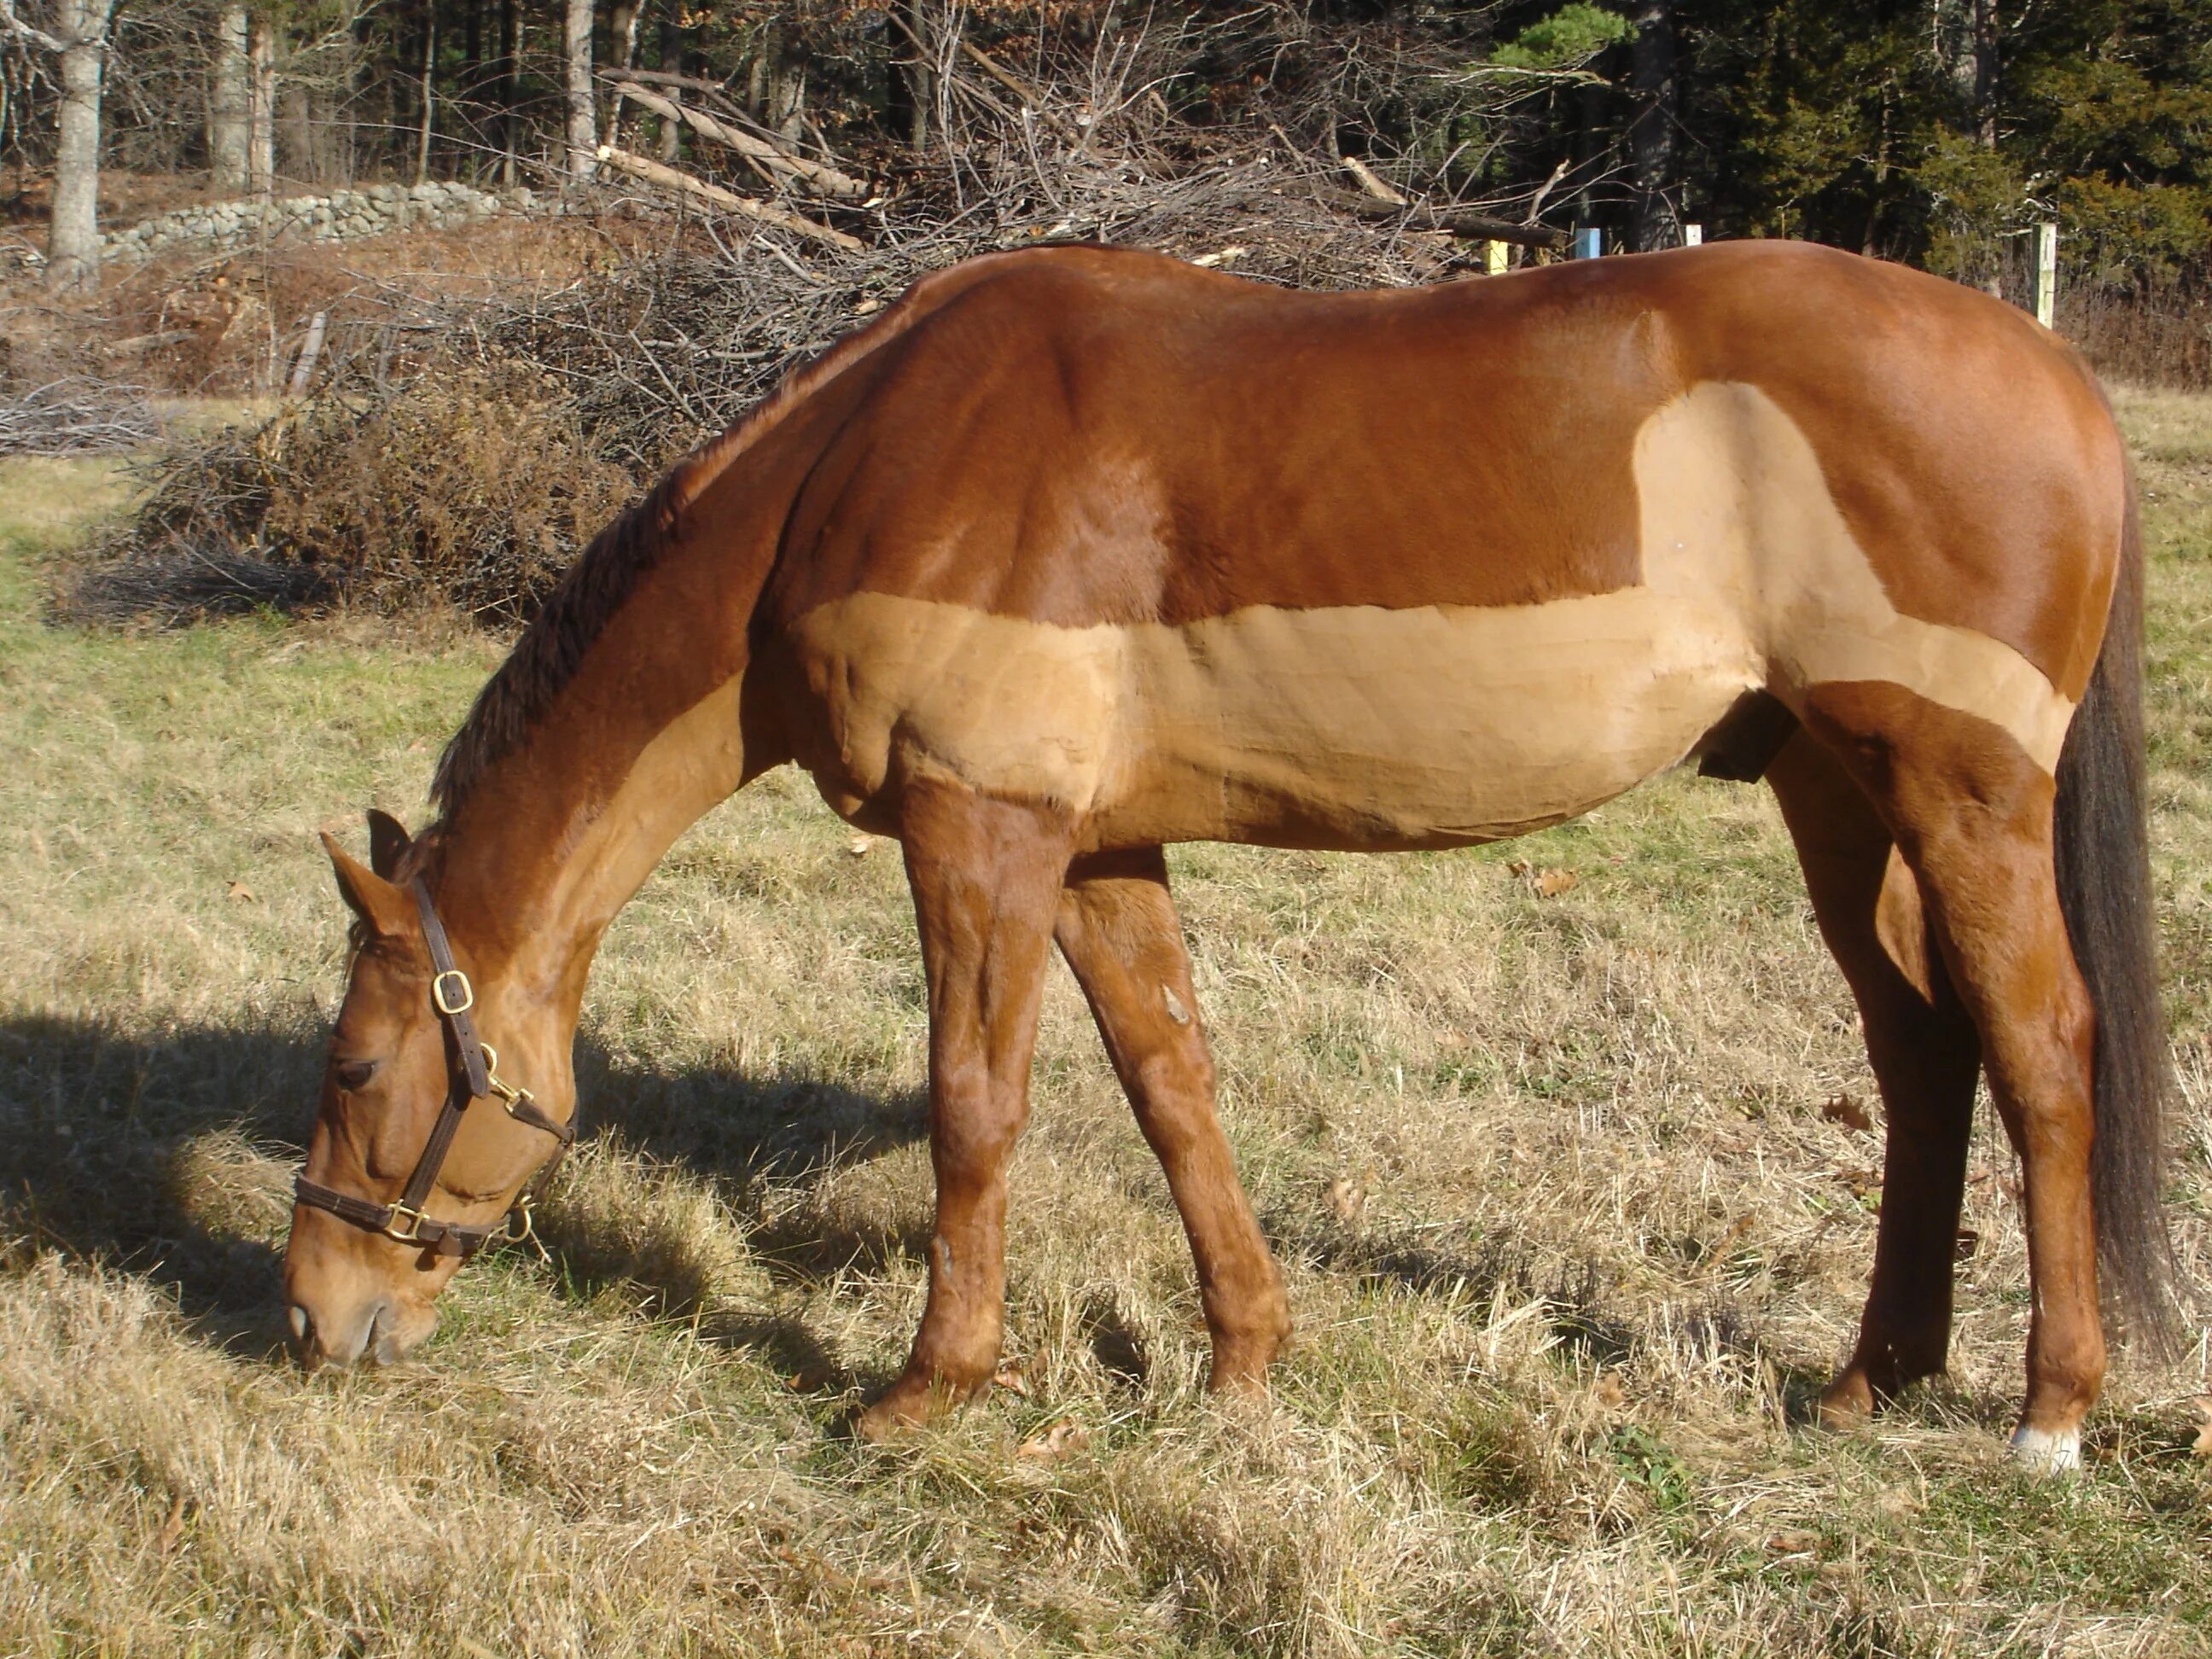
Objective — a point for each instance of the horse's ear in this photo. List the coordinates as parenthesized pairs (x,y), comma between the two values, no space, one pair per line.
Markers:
(387,842)
(382,907)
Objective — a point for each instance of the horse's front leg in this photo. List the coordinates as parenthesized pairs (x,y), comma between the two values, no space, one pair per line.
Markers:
(986,875)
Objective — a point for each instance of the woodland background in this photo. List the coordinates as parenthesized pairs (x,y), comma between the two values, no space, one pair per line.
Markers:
(482,268)
(1931,132)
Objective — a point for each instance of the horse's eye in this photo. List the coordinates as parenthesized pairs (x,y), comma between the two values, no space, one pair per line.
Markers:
(354,1073)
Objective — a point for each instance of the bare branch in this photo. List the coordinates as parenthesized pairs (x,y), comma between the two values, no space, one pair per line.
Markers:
(668,178)
(36,37)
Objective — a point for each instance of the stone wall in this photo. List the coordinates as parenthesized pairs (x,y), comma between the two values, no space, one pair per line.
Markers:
(341,216)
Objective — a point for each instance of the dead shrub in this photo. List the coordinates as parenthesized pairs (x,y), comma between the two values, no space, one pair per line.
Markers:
(474,485)
(470,486)
(2161,340)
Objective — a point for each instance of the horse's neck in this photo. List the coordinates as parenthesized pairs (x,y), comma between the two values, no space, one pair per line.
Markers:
(654,730)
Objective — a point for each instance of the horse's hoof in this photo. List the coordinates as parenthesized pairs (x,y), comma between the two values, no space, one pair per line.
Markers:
(1847,1402)
(912,1403)
(1237,1383)
(2047,1451)
(878,1426)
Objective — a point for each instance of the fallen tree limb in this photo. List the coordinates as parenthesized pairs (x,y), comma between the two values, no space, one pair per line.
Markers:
(1005,77)
(656,173)
(74,416)
(713,89)
(816,176)
(1421,215)
(1372,185)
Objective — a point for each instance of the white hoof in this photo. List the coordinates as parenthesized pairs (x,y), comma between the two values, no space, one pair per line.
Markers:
(2042,1452)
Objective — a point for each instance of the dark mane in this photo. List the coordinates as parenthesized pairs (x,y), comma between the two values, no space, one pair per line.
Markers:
(552,647)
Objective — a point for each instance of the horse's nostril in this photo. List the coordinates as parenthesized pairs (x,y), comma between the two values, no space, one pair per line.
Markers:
(297,1317)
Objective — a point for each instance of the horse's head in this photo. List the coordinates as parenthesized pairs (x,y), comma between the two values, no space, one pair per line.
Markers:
(385,1216)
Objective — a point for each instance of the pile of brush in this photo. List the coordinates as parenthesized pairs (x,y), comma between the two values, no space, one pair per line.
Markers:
(460,451)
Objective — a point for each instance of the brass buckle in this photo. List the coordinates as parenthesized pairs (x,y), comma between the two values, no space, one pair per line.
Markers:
(448,1005)
(413,1234)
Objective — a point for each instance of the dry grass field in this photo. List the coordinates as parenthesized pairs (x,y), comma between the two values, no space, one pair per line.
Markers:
(1570,1176)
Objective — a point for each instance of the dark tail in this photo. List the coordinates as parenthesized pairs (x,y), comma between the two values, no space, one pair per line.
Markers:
(2105,891)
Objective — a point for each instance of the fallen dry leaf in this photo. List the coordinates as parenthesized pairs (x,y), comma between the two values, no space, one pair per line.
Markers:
(1056,1440)
(2202,1446)
(1013,1376)
(1347,1200)
(172,1529)
(242,894)
(1845,1109)
(860,846)
(1792,1541)
(1544,883)
(1608,1391)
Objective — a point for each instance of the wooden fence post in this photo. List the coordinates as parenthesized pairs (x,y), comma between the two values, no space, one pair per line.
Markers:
(2046,271)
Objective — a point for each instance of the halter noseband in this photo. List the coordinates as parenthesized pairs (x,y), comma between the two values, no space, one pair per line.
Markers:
(476,1077)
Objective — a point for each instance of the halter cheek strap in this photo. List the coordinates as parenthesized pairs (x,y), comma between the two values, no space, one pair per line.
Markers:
(475,1076)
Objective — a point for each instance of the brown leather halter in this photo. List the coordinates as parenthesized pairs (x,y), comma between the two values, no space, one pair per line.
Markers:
(475,1077)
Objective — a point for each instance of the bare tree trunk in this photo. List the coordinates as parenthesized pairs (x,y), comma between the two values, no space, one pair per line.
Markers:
(672,58)
(468,96)
(1985,72)
(1652,133)
(583,130)
(298,151)
(623,41)
(913,91)
(1967,36)
(429,94)
(1966,40)
(230,105)
(262,153)
(73,235)
(510,53)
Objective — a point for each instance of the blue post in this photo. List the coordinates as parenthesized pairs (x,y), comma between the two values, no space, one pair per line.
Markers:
(1590,244)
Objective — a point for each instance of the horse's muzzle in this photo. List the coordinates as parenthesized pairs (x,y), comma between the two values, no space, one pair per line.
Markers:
(379,1332)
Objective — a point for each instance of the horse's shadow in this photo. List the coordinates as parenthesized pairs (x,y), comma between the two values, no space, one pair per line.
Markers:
(1586,1329)
(170,1156)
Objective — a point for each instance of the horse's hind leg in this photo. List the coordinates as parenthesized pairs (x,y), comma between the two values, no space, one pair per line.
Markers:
(1120,933)
(986,875)
(1925,1056)
(1971,813)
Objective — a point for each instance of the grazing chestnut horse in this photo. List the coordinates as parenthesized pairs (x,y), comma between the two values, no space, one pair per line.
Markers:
(1077,552)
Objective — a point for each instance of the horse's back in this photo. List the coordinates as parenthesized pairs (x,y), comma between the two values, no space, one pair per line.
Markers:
(1200,558)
